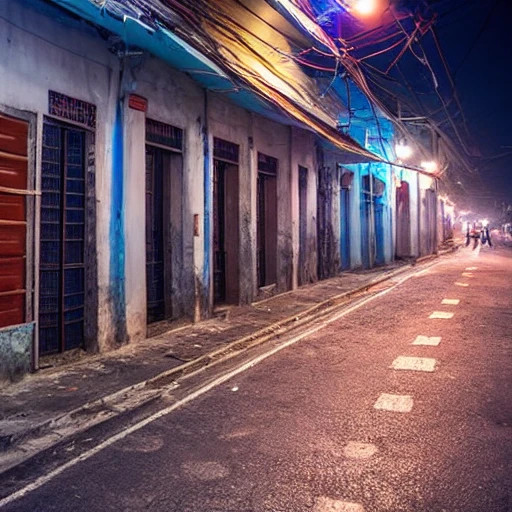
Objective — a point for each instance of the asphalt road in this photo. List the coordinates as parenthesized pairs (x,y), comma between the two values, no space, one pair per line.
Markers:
(329,424)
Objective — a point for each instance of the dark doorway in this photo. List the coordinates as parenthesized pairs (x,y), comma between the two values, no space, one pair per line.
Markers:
(267,220)
(164,234)
(345,227)
(225,223)
(62,249)
(403,221)
(345,205)
(155,282)
(303,224)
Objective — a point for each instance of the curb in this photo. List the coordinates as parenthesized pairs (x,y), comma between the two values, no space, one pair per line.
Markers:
(54,431)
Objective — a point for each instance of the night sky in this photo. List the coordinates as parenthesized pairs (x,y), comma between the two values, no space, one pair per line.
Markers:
(476,37)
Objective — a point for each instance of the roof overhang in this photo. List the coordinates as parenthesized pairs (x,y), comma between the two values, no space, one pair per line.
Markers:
(253,67)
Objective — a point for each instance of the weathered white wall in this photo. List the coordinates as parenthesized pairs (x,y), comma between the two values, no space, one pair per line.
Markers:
(425,182)
(42,52)
(45,50)
(303,153)
(232,123)
(331,160)
(273,139)
(174,99)
(134,132)
(414,203)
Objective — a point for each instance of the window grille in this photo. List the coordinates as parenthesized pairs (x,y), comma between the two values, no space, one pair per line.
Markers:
(224,150)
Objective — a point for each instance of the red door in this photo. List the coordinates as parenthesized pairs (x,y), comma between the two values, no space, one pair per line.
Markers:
(13,219)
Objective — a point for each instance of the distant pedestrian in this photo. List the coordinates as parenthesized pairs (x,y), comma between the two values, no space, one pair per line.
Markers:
(485,235)
(473,232)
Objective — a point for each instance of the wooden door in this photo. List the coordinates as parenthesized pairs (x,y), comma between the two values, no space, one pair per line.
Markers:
(13,219)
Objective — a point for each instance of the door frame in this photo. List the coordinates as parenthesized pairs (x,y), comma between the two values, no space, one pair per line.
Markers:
(91,311)
(169,139)
(227,154)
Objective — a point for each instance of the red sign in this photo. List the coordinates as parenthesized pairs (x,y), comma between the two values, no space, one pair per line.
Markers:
(138,102)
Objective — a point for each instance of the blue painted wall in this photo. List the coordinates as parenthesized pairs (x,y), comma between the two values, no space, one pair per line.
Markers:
(117,241)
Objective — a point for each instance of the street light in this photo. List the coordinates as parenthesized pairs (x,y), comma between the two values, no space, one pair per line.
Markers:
(429,166)
(403,151)
(365,7)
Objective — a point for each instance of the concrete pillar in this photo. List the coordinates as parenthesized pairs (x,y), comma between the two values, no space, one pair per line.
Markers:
(135,222)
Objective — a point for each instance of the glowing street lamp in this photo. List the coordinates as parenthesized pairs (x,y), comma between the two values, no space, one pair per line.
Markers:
(364,7)
(429,166)
(403,151)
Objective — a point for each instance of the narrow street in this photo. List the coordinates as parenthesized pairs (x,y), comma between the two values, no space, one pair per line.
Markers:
(340,421)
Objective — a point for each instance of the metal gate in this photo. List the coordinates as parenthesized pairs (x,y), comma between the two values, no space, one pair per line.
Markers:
(62,245)
(219,231)
(154,234)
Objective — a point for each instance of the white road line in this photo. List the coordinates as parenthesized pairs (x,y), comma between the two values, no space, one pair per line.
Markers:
(42,480)
(450,302)
(441,314)
(432,341)
(417,364)
(358,450)
(324,504)
(463,285)
(467,274)
(395,403)
(471,268)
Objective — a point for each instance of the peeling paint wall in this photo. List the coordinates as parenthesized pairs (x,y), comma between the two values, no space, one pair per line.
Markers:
(175,99)
(134,164)
(273,139)
(329,215)
(47,50)
(233,124)
(303,153)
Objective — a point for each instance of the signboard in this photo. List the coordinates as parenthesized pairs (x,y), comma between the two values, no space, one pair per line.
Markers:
(72,109)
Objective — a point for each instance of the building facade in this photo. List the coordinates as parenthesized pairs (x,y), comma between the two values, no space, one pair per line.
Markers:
(134,194)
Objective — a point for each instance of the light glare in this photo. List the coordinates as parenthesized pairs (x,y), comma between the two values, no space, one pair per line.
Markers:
(429,166)
(403,151)
(364,7)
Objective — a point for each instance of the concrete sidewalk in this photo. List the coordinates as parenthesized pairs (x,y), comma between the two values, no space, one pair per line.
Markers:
(53,404)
